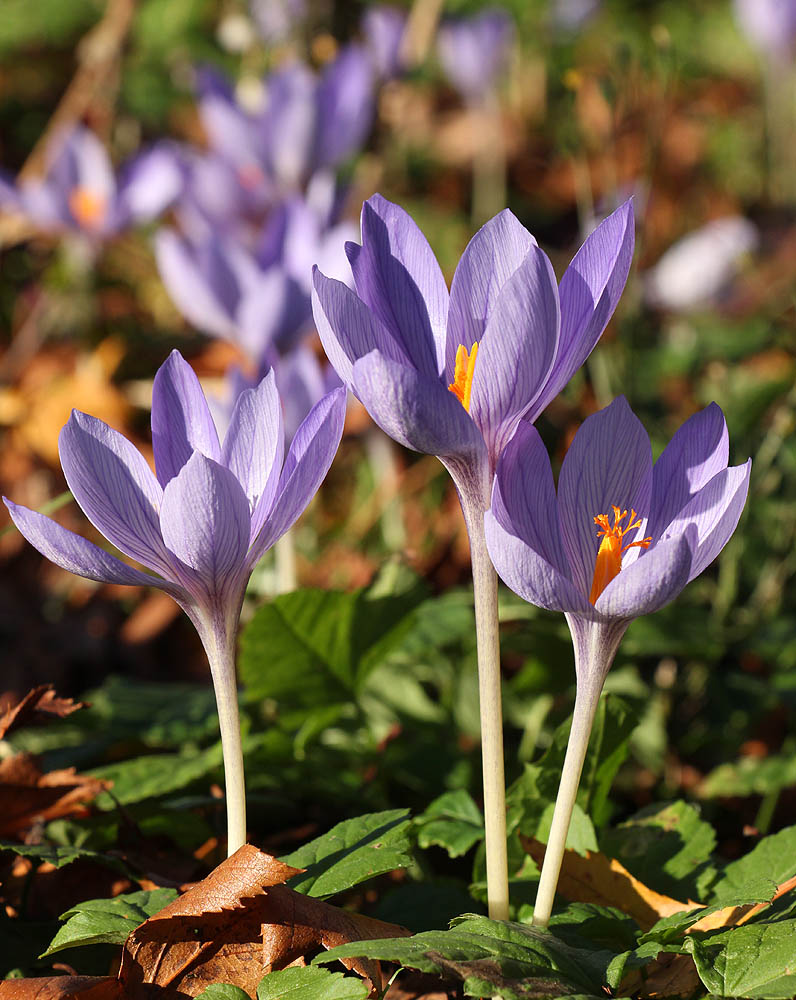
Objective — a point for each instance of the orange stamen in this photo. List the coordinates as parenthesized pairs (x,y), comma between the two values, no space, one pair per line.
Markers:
(462,384)
(87,207)
(609,556)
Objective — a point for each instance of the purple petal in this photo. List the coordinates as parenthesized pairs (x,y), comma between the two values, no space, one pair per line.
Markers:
(517,350)
(189,288)
(274,311)
(474,50)
(301,382)
(114,486)
(255,445)
(589,293)
(698,450)
(347,328)
(714,512)
(415,410)
(488,261)
(311,453)
(205,520)
(345,106)
(290,123)
(181,419)
(655,578)
(529,574)
(151,183)
(78,555)
(524,496)
(608,464)
(398,276)
(383,26)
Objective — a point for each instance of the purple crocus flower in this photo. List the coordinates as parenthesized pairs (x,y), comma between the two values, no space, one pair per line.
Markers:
(570,15)
(276,19)
(383,27)
(201,523)
(79,191)
(620,540)
(474,51)
(453,374)
(769,24)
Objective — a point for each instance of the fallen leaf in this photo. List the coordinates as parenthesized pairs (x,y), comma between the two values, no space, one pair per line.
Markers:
(595,878)
(734,916)
(61,988)
(237,925)
(27,795)
(667,976)
(39,705)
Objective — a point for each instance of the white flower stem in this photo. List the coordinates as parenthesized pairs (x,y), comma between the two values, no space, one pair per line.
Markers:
(487,642)
(221,655)
(285,563)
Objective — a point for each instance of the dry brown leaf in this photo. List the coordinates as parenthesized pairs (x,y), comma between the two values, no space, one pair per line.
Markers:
(734,916)
(61,988)
(39,705)
(668,976)
(595,878)
(27,795)
(235,926)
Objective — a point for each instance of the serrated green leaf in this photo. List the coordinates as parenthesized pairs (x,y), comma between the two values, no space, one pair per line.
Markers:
(668,847)
(452,821)
(108,921)
(314,647)
(672,928)
(351,852)
(223,991)
(154,775)
(774,858)
(312,983)
(60,856)
(756,961)
(491,958)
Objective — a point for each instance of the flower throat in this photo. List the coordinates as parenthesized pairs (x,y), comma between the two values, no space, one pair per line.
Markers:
(609,556)
(462,384)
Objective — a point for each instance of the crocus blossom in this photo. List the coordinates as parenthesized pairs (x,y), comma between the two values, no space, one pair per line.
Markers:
(201,521)
(769,24)
(383,27)
(79,190)
(620,539)
(473,51)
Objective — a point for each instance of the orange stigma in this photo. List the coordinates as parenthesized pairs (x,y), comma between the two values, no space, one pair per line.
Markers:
(87,207)
(462,384)
(609,556)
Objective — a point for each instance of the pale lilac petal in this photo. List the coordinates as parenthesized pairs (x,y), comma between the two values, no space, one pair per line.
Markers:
(529,574)
(78,555)
(488,261)
(255,446)
(383,26)
(301,382)
(398,277)
(94,170)
(589,293)
(274,311)
(189,288)
(415,410)
(347,328)
(311,453)
(516,351)
(290,123)
(698,450)
(345,106)
(181,419)
(714,512)
(654,579)
(524,496)
(150,184)
(205,520)
(115,487)
(608,464)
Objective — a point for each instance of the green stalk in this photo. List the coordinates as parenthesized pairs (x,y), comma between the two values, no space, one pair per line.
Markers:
(488,648)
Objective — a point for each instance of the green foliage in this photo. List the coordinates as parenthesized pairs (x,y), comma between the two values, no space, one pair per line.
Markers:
(452,821)
(750,776)
(755,961)
(351,852)
(58,856)
(773,860)
(312,983)
(108,921)
(154,775)
(224,991)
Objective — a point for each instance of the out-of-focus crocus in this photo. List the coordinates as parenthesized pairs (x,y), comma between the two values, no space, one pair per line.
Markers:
(276,19)
(79,191)
(698,268)
(383,27)
(201,523)
(313,122)
(452,375)
(473,51)
(620,540)
(570,15)
(769,24)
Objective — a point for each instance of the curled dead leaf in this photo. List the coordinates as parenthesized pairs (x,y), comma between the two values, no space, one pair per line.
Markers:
(61,988)
(40,704)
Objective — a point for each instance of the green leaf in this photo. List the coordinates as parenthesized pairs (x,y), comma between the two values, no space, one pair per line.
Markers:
(753,961)
(108,921)
(312,983)
(491,958)
(672,928)
(351,852)
(750,776)
(608,748)
(452,821)
(153,775)
(223,991)
(668,847)
(60,856)
(774,859)
(314,647)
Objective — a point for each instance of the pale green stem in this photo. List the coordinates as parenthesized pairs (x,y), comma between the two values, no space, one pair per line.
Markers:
(221,656)
(285,559)
(488,648)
